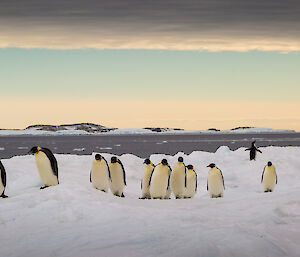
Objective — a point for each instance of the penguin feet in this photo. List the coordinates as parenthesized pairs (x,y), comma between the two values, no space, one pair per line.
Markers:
(268,190)
(43,187)
(122,195)
(142,198)
(103,190)
(3,195)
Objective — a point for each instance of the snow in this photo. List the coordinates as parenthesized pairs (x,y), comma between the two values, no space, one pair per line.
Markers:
(74,219)
(136,131)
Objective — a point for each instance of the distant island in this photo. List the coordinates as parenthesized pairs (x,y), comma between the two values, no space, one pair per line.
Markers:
(91,128)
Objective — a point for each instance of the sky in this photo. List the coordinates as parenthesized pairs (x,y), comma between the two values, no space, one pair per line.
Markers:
(188,64)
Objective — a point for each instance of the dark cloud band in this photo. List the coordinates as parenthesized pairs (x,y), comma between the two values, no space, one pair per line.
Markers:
(210,24)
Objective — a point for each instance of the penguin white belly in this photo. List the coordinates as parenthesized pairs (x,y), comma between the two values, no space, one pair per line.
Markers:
(177,180)
(44,167)
(269,179)
(117,183)
(99,176)
(159,182)
(215,184)
(145,183)
(1,187)
(190,185)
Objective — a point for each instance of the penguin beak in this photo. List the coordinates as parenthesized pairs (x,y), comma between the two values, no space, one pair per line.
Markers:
(30,152)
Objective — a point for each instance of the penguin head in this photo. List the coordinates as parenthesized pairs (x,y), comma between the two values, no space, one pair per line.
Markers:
(212,165)
(98,157)
(190,167)
(114,159)
(164,162)
(180,159)
(34,150)
(269,164)
(147,161)
(253,143)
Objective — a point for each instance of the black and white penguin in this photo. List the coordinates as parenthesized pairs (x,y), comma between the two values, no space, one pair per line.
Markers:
(160,180)
(47,166)
(2,181)
(100,173)
(215,182)
(118,176)
(178,179)
(253,149)
(191,182)
(145,183)
(269,177)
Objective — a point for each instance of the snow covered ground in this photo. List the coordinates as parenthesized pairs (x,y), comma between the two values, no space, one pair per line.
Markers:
(73,219)
(134,131)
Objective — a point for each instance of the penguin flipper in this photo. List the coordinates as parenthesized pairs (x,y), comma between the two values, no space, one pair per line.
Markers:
(124,174)
(222,179)
(262,175)
(258,150)
(169,177)
(207,185)
(52,160)
(151,176)
(196,182)
(91,176)
(109,175)
(184,176)
(3,174)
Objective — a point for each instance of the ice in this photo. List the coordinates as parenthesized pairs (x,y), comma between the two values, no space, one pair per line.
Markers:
(74,219)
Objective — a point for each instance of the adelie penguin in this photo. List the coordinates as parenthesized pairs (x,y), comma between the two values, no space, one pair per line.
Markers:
(145,183)
(191,182)
(3,181)
(178,179)
(269,177)
(118,176)
(215,182)
(46,165)
(160,180)
(253,149)
(100,174)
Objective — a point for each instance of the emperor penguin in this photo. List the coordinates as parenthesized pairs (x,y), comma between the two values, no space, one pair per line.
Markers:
(178,179)
(118,176)
(145,183)
(160,180)
(269,177)
(47,166)
(2,181)
(100,173)
(253,149)
(215,182)
(191,182)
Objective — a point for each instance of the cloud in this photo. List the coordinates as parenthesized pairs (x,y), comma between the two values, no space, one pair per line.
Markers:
(212,25)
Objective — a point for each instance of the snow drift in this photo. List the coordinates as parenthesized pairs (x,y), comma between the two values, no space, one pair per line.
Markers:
(74,219)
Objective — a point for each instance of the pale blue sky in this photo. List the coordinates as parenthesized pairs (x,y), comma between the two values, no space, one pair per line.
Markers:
(144,74)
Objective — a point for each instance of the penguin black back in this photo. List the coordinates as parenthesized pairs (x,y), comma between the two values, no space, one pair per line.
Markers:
(253,149)
(3,174)
(3,179)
